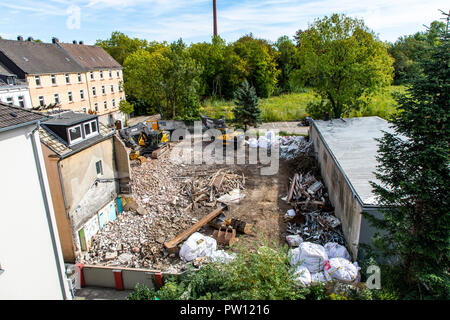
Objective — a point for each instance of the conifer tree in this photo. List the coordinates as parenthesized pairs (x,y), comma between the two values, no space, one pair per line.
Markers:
(414,175)
(246,112)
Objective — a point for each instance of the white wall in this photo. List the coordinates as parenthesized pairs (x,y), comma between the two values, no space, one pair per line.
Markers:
(14,92)
(26,248)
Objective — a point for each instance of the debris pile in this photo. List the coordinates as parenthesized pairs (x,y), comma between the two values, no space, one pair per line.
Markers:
(293,146)
(223,185)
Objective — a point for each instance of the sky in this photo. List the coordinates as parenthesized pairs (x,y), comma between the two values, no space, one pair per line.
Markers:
(169,20)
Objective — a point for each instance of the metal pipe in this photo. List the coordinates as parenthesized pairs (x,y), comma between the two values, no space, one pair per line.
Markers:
(66,209)
(47,211)
(215,17)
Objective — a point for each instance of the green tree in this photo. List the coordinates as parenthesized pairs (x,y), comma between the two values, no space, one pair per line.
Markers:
(408,50)
(120,46)
(286,63)
(414,175)
(246,111)
(126,107)
(260,63)
(342,59)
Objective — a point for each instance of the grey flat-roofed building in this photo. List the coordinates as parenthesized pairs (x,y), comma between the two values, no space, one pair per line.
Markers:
(346,150)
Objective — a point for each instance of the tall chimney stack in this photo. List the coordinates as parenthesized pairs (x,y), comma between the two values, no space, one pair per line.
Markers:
(215,18)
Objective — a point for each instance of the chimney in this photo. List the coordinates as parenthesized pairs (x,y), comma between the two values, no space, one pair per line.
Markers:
(215,18)
(74,42)
(55,40)
(30,39)
(81,42)
(19,38)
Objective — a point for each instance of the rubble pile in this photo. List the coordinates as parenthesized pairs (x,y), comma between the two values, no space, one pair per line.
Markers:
(137,241)
(214,187)
(293,146)
(312,217)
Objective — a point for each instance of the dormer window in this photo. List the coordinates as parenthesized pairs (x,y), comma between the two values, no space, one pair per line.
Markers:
(90,129)
(74,134)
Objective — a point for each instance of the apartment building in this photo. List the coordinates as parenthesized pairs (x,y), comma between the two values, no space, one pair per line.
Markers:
(12,90)
(75,76)
(54,79)
(104,79)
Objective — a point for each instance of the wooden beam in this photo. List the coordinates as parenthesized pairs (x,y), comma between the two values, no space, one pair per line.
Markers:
(171,245)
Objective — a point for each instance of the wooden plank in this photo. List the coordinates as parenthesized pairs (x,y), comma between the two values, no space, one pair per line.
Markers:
(291,191)
(170,245)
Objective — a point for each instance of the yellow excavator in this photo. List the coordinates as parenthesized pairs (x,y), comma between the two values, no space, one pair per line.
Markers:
(227,137)
(144,141)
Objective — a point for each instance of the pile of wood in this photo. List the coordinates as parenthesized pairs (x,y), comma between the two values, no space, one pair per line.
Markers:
(204,191)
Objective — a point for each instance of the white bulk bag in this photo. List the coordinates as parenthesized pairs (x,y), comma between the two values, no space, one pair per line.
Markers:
(335,250)
(311,255)
(341,269)
(197,245)
(303,276)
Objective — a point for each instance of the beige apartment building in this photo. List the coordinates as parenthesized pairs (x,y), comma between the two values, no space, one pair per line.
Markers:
(74,76)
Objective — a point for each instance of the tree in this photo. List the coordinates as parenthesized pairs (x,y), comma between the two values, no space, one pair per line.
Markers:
(408,50)
(167,79)
(342,59)
(286,63)
(414,175)
(260,63)
(126,107)
(120,46)
(246,111)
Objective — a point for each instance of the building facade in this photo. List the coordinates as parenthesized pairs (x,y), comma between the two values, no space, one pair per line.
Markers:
(31,261)
(86,164)
(12,90)
(346,150)
(73,77)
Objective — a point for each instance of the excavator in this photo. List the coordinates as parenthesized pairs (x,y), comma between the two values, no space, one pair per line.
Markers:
(144,141)
(234,138)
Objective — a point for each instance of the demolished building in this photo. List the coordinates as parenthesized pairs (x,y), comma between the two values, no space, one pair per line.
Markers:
(346,150)
(87,167)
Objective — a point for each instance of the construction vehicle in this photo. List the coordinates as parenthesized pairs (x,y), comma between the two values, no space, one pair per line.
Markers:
(227,137)
(144,141)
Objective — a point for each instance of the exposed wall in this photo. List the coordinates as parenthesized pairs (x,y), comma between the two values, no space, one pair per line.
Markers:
(63,222)
(122,161)
(347,208)
(27,252)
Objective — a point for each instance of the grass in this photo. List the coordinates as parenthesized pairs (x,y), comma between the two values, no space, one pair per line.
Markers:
(292,107)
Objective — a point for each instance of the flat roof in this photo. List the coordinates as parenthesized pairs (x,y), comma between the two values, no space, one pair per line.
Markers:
(69,118)
(352,143)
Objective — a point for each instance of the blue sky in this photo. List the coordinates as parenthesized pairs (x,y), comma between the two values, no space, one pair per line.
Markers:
(192,19)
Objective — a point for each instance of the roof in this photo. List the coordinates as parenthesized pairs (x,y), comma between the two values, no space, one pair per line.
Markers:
(5,71)
(63,150)
(91,57)
(69,118)
(12,117)
(39,58)
(352,143)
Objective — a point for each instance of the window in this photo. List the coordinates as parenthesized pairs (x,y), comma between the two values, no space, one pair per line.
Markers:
(98,167)
(38,80)
(112,88)
(94,126)
(21,101)
(56,98)
(120,87)
(53,79)
(101,74)
(105,104)
(110,73)
(96,106)
(41,101)
(103,90)
(84,110)
(90,128)
(113,103)
(118,73)
(94,93)
(67,78)
(9,100)
(75,134)
(79,77)
(82,94)
(70,96)
(92,75)
(11,81)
